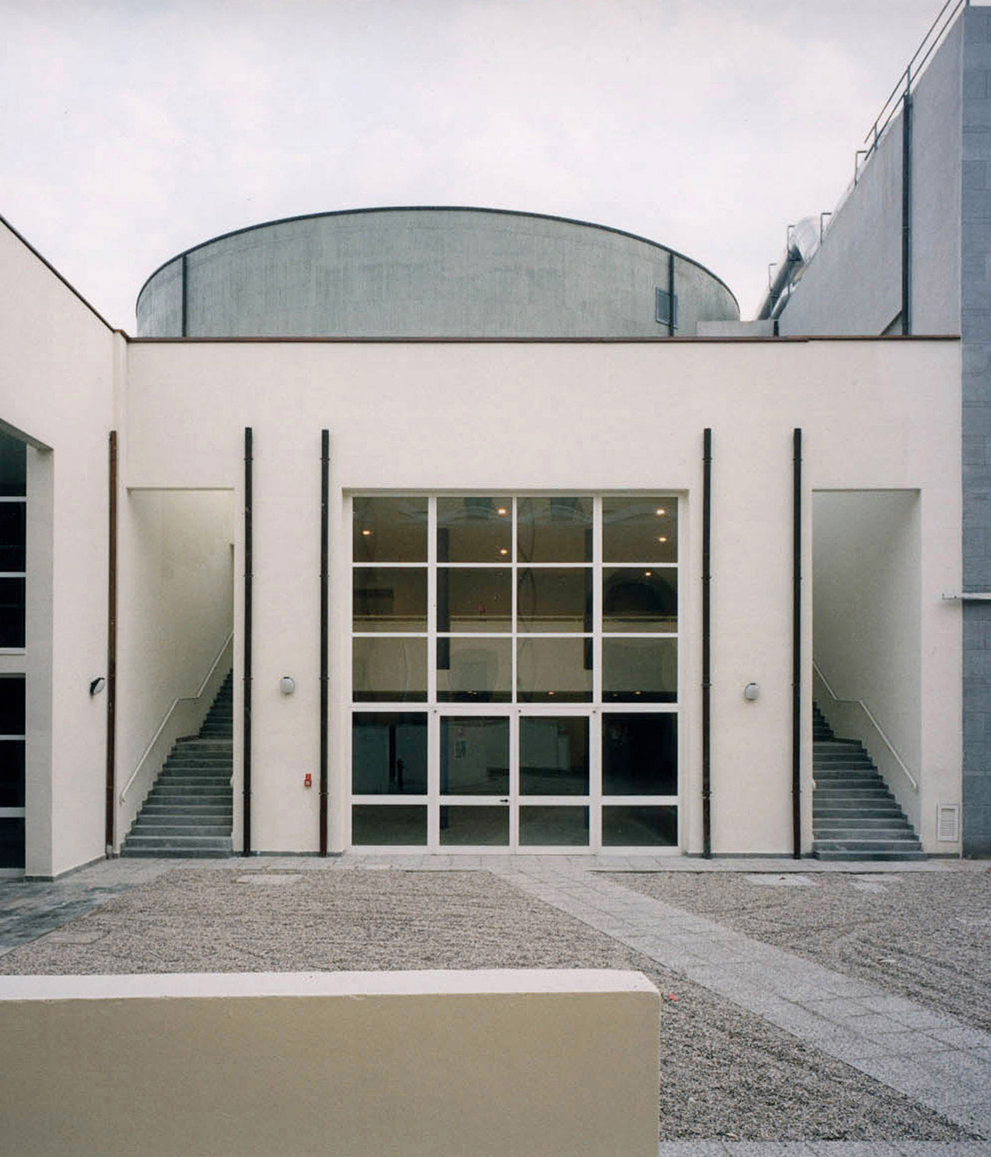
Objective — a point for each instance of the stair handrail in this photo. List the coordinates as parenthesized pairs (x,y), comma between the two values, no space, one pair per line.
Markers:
(168,715)
(870,715)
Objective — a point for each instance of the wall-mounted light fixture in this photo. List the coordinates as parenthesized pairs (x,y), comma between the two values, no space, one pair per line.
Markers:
(751,692)
(97,685)
(287,684)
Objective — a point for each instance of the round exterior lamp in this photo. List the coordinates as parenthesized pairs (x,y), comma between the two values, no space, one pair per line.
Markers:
(287,684)
(751,692)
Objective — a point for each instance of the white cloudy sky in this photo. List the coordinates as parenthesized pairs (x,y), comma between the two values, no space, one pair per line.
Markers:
(132,129)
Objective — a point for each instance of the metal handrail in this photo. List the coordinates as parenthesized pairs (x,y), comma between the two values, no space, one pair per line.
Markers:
(168,715)
(889,109)
(890,106)
(870,715)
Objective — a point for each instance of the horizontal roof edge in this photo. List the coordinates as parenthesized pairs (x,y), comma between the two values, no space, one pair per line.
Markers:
(787,339)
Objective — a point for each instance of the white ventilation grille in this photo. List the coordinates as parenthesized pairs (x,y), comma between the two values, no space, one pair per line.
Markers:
(948,824)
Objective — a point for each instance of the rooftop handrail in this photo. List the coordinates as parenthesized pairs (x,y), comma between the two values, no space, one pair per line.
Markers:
(912,71)
(870,715)
(168,715)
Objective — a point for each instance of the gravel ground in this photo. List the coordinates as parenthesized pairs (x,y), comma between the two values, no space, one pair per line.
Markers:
(925,936)
(725,1073)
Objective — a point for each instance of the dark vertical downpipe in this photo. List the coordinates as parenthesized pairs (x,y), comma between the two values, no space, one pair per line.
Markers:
(184,329)
(907,209)
(671,317)
(706,640)
(248,563)
(324,625)
(796,664)
(111,808)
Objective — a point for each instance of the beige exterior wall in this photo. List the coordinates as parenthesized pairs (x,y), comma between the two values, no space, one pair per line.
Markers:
(176,613)
(585,417)
(440,1064)
(57,381)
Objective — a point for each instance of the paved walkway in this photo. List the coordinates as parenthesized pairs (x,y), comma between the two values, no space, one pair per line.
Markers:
(931,1057)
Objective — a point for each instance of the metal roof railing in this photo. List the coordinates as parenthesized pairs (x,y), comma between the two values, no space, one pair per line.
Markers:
(930,42)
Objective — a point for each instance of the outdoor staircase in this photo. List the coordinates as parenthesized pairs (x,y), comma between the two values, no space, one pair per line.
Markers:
(188,812)
(855,817)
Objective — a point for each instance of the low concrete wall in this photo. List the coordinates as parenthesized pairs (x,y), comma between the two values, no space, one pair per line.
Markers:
(361,1063)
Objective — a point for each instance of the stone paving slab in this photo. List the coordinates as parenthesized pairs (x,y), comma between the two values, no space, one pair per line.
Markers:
(939,1062)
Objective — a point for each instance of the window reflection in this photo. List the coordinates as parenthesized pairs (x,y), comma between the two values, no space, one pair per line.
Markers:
(556,529)
(640,599)
(371,825)
(552,599)
(389,598)
(640,529)
(639,670)
(474,670)
(474,529)
(474,599)
(389,669)
(639,754)
(554,755)
(389,529)
(389,753)
(554,670)
(474,755)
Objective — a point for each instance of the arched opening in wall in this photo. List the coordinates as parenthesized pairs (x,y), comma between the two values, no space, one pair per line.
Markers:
(867,656)
(175,655)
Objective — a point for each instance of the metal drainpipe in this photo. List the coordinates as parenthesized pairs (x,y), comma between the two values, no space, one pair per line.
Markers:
(907,207)
(796,669)
(248,563)
(706,640)
(671,318)
(111,808)
(184,329)
(324,626)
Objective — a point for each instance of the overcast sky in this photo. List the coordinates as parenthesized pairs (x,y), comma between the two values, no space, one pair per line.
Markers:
(133,129)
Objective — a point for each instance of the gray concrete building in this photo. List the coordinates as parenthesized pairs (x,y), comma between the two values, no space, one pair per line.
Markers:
(430,272)
(907,252)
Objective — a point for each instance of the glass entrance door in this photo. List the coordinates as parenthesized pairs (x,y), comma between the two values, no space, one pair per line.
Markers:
(519,779)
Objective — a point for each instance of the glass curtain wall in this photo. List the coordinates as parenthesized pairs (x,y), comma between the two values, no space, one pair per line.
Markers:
(515,672)
(13,563)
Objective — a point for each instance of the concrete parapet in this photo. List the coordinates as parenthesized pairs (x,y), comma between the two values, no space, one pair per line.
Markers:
(541,1062)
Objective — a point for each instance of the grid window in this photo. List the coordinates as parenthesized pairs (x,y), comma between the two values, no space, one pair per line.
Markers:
(540,633)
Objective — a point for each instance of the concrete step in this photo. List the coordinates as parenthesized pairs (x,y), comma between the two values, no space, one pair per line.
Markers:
(827,791)
(166,844)
(194,775)
(851,808)
(893,822)
(885,843)
(164,853)
(192,820)
(875,856)
(163,793)
(171,830)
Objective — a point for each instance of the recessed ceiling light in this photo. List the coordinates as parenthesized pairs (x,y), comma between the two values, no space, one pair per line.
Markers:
(504,550)
(661,538)
(366,533)
(502,510)
(660,510)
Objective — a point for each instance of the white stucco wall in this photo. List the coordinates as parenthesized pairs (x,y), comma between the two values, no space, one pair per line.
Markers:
(866,624)
(57,376)
(586,417)
(176,611)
